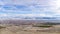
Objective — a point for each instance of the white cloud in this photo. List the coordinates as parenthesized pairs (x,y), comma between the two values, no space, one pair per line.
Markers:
(37,7)
(3,15)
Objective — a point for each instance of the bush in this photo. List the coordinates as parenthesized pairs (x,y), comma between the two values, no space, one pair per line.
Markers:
(43,25)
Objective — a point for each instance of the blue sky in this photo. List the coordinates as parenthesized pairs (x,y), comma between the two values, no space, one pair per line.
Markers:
(41,8)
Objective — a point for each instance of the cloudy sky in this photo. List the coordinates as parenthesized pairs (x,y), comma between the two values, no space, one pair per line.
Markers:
(41,8)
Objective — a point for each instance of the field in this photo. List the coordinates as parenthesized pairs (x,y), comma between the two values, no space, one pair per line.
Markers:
(28,29)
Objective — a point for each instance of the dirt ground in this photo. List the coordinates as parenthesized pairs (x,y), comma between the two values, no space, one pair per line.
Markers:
(19,30)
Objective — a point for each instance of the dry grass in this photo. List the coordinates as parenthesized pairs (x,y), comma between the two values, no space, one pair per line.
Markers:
(32,30)
(2,27)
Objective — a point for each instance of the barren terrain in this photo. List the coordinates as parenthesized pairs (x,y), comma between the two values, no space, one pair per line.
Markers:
(28,29)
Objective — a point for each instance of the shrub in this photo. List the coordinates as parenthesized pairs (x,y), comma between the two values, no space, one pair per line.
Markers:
(43,25)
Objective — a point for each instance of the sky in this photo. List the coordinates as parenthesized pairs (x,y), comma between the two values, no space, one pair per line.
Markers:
(31,8)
